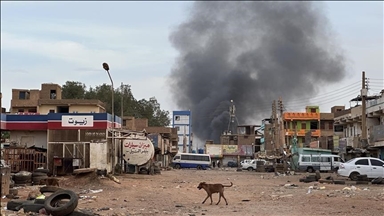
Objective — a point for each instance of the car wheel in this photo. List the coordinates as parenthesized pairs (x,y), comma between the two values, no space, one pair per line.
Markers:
(250,169)
(310,170)
(353,176)
(177,166)
(199,167)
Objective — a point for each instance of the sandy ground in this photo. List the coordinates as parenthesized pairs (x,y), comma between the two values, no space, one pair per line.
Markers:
(175,192)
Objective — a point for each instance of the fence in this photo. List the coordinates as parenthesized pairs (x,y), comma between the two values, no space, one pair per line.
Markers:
(22,159)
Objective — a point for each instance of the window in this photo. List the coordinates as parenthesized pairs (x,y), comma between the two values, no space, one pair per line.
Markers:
(177,118)
(51,111)
(176,158)
(22,95)
(124,122)
(306,159)
(20,110)
(338,128)
(376,163)
(322,125)
(325,159)
(336,159)
(314,125)
(33,110)
(52,94)
(303,125)
(313,110)
(330,125)
(315,159)
(362,162)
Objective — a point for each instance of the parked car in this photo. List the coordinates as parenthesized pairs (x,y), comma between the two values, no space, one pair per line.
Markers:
(246,161)
(232,164)
(372,167)
(252,165)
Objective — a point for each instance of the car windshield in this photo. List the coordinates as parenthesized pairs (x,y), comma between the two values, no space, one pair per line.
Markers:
(350,160)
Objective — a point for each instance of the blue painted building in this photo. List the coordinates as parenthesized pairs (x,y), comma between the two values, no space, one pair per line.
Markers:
(182,120)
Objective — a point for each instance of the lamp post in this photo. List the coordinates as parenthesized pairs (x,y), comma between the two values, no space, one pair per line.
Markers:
(106,68)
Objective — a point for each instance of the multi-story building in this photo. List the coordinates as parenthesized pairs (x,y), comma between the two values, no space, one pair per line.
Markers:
(49,100)
(77,132)
(304,125)
(351,122)
(182,121)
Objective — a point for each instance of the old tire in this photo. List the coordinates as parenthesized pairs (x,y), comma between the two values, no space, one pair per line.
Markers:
(22,178)
(39,201)
(41,171)
(31,207)
(38,174)
(353,176)
(14,204)
(49,189)
(65,209)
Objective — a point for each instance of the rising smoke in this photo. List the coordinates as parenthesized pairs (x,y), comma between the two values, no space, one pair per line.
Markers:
(252,53)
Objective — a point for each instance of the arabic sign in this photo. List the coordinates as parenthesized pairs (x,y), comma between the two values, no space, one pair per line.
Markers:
(342,146)
(214,150)
(246,150)
(336,143)
(230,150)
(138,151)
(76,121)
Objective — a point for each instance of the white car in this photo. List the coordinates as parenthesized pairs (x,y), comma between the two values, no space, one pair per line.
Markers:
(251,165)
(372,167)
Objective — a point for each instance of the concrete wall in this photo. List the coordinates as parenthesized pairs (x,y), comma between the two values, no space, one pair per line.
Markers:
(44,109)
(85,109)
(99,157)
(30,138)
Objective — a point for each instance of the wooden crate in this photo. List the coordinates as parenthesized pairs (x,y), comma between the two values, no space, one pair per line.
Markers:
(5,180)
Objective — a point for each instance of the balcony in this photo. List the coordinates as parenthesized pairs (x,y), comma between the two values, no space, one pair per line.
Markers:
(301,116)
(301,133)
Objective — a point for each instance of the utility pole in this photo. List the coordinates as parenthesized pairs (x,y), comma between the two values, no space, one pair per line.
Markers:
(274,126)
(364,141)
(275,138)
(232,116)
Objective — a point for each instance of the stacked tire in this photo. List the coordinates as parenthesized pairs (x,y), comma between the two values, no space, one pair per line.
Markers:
(23,178)
(38,175)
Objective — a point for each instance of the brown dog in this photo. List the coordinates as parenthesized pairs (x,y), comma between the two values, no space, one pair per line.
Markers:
(50,182)
(214,188)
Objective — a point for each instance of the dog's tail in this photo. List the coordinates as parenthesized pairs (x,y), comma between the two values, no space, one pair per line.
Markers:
(228,185)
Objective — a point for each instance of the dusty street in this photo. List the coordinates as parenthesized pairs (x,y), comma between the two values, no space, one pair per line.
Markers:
(175,192)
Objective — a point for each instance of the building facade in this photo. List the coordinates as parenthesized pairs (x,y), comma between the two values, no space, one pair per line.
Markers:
(78,140)
(182,121)
(49,100)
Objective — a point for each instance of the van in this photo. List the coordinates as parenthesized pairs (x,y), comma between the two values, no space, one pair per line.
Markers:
(310,163)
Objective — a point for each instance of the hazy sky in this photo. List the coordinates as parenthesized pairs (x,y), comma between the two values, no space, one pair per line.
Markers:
(52,42)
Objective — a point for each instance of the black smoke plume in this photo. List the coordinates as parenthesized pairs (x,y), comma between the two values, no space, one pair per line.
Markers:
(252,53)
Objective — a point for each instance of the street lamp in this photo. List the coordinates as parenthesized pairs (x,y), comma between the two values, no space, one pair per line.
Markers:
(106,68)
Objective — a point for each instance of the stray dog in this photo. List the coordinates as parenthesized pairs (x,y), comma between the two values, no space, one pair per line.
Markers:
(214,188)
(50,182)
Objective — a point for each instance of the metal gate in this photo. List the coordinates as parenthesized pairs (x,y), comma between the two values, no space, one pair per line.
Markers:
(22,159)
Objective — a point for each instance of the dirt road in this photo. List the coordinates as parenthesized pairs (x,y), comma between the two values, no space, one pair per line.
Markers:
(175,192)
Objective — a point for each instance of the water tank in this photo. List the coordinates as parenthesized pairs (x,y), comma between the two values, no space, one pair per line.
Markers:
(194,151)
(137,150)
(200,151)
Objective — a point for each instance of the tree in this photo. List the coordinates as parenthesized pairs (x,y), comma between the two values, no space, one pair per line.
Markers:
(73,90)
(149,109)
